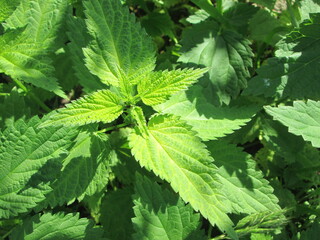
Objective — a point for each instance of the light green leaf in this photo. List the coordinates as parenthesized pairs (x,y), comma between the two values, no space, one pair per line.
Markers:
(226,54)
(209,121)
(303,119)
(101,106)
(245,186)
(24,149)
(173,152)
(161,214)
(24,55)
(120,45)
(161,85)
(56,227)
(7,7)
(119,227)
(27,61)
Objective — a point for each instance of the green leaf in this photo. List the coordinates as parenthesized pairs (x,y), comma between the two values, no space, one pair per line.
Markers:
(25,60)
(173,152)
(24,149)
(161,214)
(120,45)
(295,69)
(245,186)
(159,86)
(209,121)
(24,55)
(226,54)
(303,119)
(312,232)
(158,24)
(272,31)
(116,221)
(7,7)
(56,227)
(87,167)
(101,106)
(80,39)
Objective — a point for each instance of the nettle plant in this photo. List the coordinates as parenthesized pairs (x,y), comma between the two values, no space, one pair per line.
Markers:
(148,152)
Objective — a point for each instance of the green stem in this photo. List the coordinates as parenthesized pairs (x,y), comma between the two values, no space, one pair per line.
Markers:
(34,97)
(294,20)
(113,127)
(209,231)
(4,94)
(209,8)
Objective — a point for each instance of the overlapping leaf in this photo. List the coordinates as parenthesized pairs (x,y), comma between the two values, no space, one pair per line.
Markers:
(302,119)
(173,152)
(161,214)
(209,121)
(56,226)
(80,39)
(245,186)
(295,69)
(120,45)
(226,54)
(119,227)
(86,167)
(101,106)
(24,149)
(161,85)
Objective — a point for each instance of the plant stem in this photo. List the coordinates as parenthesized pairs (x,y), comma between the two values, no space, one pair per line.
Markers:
(34,97)
(294,20)
(209,8)
(4,94)
(209,231)
(113,127)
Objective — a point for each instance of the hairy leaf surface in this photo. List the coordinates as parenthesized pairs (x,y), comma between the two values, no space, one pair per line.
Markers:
(120,45)
(24,149)
(209,121)
(161,214)
(161,85)
(173,152)
(101,106)
(302,119)
(56,226)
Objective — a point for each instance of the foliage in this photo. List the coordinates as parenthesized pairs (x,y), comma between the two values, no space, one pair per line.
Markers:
(159,119)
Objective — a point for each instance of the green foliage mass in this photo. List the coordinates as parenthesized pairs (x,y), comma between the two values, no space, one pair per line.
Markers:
(156,119)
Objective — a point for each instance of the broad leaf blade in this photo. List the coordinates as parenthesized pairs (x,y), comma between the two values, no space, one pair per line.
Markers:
(161,85)
(302,119)
(116,221)
(161,214)
(56,226)
(120,45)
(173,152)
(294,71)
(87,167)
(245,187)
(227,55)
(24,149)
(80,39)
(101,106)
(209,121)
